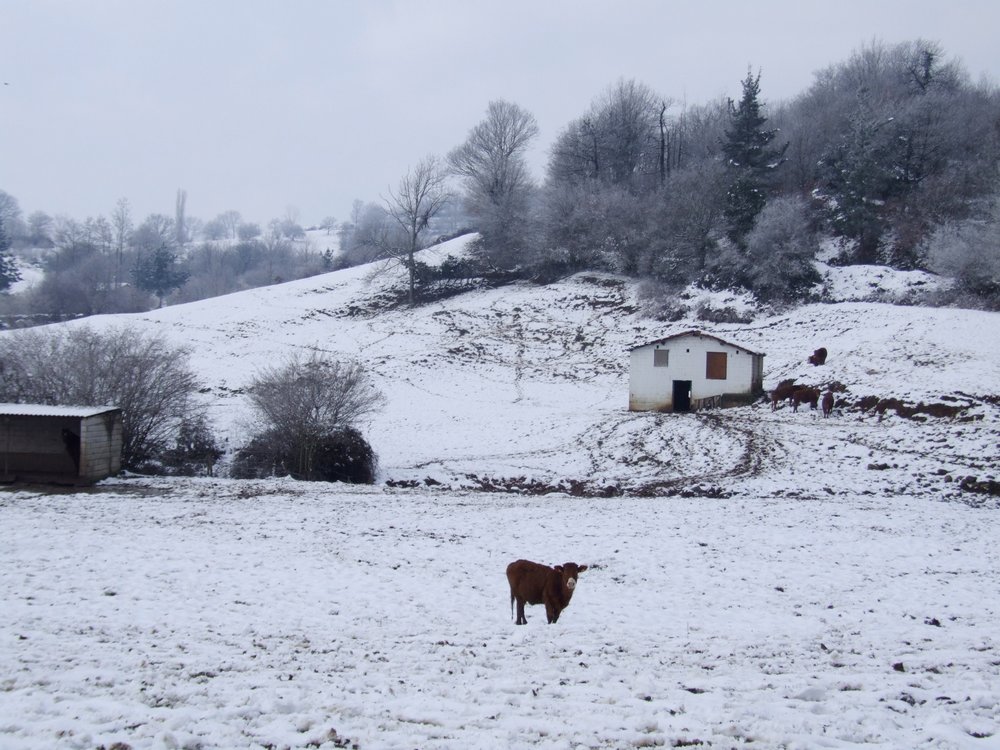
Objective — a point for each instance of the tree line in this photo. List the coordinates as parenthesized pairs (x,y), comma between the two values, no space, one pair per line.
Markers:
(111,264)
(894,153)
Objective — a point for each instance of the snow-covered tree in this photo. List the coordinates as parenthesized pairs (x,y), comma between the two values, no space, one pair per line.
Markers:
(498,186)
(780,252)
(747,151)
(9,272)
(620,140)
(969,252)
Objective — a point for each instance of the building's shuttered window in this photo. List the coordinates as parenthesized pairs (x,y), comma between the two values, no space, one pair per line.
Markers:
(715,365)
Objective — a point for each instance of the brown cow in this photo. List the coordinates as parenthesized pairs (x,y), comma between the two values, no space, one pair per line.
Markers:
(818,357)
(804,394)
(827,403)
(534,583)
(785,389)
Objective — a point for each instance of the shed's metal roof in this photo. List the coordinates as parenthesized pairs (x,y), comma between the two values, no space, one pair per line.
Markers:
(45,410)
(698,334)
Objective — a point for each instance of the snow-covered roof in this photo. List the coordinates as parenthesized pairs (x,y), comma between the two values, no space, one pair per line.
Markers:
(45,410)
(697,334)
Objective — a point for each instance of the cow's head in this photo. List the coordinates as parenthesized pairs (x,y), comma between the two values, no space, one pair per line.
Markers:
(569,572)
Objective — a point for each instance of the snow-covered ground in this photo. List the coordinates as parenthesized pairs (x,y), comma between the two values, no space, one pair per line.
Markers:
(760,579)
(222,614)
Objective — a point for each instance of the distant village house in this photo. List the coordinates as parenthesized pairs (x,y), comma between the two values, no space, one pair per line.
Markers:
(62,444)
(693,370)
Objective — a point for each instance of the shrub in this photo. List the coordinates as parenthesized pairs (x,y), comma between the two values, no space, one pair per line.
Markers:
(308,408)
(969,252)
(195,451)
(777,262)
(342,456)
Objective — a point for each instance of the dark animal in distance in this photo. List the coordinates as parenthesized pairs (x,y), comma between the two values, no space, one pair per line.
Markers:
(827,403)
(534,583)
(784,390)
(72,442)
(804,395)
(818,357)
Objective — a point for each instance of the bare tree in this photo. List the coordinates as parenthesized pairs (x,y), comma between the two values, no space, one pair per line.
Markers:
(418,199)
(180,225)
(498,185)
(249,231)
(121,221)
(231,220)
(491,160)
(620,140)
(39,229)
(364,238)
(143,375)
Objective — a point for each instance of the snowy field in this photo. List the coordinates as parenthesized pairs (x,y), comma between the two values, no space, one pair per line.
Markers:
(760,579)
(220,614)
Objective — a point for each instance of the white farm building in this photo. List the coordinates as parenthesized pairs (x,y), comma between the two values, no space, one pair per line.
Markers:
(693,370)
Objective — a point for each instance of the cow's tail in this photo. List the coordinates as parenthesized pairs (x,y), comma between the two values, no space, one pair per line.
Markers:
(512,604)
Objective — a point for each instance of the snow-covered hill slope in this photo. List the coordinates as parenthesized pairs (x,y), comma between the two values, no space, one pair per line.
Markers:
(802,586)
(527,386)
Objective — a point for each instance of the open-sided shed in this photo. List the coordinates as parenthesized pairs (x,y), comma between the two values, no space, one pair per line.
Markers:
(693,370)
(64,444)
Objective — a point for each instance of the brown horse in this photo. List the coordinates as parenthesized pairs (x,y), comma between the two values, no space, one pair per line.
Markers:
(803,395)
(784,390)
(827,403)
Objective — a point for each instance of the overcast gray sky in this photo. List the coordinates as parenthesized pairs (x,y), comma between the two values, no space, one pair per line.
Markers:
(261,105)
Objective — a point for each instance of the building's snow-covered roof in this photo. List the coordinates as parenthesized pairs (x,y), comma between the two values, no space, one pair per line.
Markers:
(45,410)
(697,334)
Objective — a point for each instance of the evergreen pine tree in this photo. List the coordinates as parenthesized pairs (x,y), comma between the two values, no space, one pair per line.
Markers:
(858,174)
(9,272)
(158,273)
(748,156)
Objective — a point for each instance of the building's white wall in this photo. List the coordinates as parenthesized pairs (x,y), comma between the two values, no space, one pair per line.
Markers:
(101,446)
(651,388)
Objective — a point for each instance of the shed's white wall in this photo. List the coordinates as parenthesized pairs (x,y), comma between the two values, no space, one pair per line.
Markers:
(101,446)
(651,388)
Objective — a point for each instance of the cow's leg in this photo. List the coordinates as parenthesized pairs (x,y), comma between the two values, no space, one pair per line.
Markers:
(521,619)
(551,613)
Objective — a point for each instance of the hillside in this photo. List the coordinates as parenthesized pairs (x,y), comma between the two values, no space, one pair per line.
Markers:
(527,386)
(765,580)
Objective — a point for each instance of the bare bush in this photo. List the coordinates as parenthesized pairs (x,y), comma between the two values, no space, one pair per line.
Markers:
(306,401)
(140,373)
